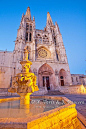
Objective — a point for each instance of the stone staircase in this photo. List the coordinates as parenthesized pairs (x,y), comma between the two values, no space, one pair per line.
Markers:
(41,91)
(54,92)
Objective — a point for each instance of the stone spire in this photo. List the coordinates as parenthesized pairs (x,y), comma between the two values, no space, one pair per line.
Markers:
(57,28)
(28,14)
(49,19)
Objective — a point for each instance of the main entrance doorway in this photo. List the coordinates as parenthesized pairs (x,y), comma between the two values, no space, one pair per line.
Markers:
(46,77)
(46,82)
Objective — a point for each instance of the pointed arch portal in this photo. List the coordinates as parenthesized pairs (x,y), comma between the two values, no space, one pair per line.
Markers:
(46,76)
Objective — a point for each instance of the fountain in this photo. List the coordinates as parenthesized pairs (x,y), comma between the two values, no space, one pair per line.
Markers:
(24,83)
(51,113)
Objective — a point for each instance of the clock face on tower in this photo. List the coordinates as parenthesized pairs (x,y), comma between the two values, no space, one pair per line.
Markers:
(42,53)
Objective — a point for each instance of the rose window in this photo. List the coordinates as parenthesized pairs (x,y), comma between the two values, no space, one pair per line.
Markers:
(42,53)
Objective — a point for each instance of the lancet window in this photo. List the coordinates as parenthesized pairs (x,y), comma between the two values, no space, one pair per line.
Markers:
(30,27)
(26,36)
(57,56)
(55,40)
(30,36)
(27,26)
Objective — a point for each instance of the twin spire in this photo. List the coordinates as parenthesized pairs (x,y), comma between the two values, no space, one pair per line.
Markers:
(49,19)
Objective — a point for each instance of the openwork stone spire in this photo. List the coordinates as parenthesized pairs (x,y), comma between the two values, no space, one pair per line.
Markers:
(49,19)
(28,14)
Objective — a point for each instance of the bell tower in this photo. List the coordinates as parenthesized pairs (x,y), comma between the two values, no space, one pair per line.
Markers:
(29,26)
(25,39)
(30,34)
(26,33)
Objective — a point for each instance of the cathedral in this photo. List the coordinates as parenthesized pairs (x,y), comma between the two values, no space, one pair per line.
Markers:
(47,53)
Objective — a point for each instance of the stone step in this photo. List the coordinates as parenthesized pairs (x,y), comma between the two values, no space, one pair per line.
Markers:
(55,92)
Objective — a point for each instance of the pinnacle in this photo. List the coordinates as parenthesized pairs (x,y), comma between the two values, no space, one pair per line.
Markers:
(49,19)
(28,14)
(48,16)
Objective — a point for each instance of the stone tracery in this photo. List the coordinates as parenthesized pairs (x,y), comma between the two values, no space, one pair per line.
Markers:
(42,52)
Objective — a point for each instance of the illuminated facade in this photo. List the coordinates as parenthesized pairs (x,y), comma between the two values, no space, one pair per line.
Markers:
(46,51)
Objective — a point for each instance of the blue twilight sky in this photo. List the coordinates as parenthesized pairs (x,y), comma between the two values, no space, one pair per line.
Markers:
(69,14)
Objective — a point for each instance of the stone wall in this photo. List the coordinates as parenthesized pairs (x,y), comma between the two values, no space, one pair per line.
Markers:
(6,68)
(78,79)
(73,89)
(60,118)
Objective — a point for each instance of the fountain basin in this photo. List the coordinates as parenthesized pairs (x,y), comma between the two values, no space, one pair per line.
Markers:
(63,117)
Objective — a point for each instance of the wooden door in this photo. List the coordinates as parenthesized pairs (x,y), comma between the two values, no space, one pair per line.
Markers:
(62,82)
(47,83)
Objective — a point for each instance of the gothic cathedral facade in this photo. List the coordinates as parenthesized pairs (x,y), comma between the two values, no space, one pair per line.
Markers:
(46,51)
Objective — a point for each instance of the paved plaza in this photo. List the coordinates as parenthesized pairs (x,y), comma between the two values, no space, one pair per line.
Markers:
(80,101)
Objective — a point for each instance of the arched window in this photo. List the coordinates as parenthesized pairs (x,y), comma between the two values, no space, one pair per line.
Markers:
(55,40)
(57,56)
(30,37)
(30,27)
(27,26)
(26,36)
(61,77)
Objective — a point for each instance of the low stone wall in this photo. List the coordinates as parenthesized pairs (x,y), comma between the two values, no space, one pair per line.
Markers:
(64,117)
(8,94)
(73,89)
(4,92)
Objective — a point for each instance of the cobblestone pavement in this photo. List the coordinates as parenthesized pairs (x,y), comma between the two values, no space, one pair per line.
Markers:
(79,100)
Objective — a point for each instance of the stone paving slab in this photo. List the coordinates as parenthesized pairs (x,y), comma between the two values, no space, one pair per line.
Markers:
(79,100)
(82,119)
